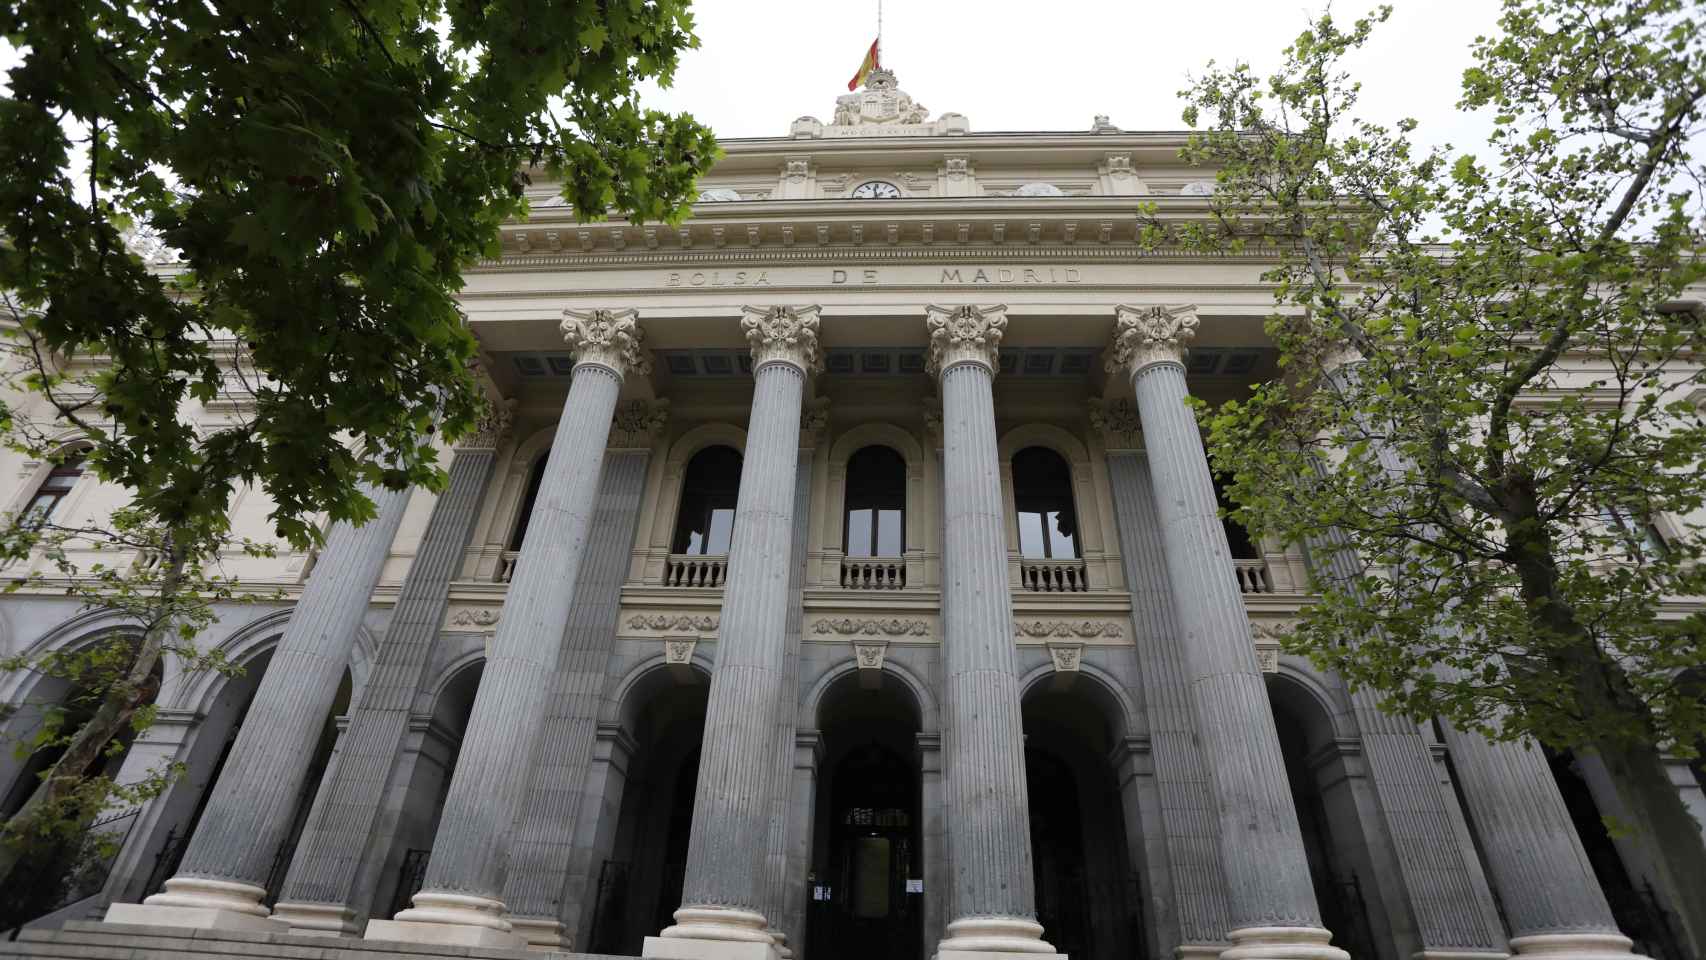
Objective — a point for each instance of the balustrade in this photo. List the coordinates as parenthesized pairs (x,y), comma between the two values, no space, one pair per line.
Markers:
(1053,576)
(506,565)
(1253,576)
(873,573)
(687,570)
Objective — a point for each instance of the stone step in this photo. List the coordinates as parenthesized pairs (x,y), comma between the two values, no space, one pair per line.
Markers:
(83,940)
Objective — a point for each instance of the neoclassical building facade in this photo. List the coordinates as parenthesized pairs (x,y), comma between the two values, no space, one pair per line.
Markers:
(839,575)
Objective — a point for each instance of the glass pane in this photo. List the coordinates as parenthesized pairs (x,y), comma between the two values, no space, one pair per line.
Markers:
(695,544)
(859,533)
(1031,534)
(871,877)
(890,543)
(1060,546)
(722,528)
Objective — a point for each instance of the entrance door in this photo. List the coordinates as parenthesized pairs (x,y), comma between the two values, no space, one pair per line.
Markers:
(862,903)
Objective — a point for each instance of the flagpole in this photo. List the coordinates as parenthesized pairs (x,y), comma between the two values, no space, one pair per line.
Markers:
(879,30)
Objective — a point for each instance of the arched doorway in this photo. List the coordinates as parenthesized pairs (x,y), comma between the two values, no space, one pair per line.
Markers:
(1327,816)
(1089,898)
(866,896)
(639,882)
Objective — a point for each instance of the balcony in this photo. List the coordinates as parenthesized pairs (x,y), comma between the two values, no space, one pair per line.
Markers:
(873,573)
(691,570)
(1253,576)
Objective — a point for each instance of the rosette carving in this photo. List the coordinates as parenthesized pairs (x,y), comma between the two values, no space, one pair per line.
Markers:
(965,333)
(1145,336)
(609,338)
(788,334)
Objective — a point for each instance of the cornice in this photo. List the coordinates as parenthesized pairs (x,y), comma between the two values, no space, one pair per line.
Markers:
(871,253)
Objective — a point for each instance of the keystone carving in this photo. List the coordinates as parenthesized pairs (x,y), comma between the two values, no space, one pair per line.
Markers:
(870,656)
(679,652)
(788,334)
(637,422)
(965,334)
(1267,638)
(675,623)
(1146,336)
(1088,629)
(876,626)
(493,428)
(1066,656)
(609,338)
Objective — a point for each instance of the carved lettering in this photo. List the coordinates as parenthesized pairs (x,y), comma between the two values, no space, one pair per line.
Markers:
(951,276)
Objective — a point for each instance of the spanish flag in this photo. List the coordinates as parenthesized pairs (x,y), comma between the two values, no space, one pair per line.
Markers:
(865,68)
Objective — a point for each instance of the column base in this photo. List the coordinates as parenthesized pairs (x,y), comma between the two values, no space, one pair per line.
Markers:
(541,933)
(1199,951)
(449,919)
(713,933)
(201,904)
(318,919)
(1282,943)
(996,938)
(1574,946)
(1459,955)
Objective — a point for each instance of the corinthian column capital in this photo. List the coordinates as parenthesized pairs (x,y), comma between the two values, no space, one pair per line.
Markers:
(786,334)
(965,334)
(1145,336)
(608,338)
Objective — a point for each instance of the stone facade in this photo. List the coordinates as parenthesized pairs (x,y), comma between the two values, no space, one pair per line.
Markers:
(837,576)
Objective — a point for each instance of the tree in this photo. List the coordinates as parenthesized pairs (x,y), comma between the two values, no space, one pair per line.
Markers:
(1490,400)
(325,169)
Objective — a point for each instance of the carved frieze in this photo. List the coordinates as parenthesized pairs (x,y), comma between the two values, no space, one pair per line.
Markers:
(609,338)
(1083,629)
(673,622)
(965,333)
(871,627)
(475,617)
(1146,336)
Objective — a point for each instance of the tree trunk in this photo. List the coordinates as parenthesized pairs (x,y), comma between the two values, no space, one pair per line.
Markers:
(119,704)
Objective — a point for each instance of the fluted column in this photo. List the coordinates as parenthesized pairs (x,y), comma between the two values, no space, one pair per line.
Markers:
(989,839)
(221,881)
(1270,899)
(725,888)
(459,902)
(324,891)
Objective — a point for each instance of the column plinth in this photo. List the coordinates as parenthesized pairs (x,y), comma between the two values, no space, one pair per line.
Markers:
(460,902)
(1270,897)
(992,901)
(222,880)
(727,880)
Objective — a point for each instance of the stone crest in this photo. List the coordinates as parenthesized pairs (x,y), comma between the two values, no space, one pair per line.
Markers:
(493,427)
(609,338)
(967,333)
(788,334)
(1146,336)
(880,102)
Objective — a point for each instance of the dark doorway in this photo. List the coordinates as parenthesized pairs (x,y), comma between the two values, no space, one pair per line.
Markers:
(866,898)
(1089,899)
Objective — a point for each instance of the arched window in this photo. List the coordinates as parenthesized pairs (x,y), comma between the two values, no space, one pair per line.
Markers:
(876,503)
(56,486)
(706,520)
(1042,495)
(534,478)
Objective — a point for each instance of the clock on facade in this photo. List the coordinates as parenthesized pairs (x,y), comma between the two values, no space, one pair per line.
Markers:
(876,190)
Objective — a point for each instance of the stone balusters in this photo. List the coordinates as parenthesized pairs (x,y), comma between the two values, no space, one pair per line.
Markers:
(1270,899)
(989,841)
(222,879)
(727,856)
(459,902)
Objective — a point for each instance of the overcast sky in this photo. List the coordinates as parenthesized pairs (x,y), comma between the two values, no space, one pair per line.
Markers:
(1052,65)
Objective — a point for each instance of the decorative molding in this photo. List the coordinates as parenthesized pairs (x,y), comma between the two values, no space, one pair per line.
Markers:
(1118,422)
(673,623)
(871,627)
(493,428)
(965,334)
(637,422)
(475,617)
(1066,657)
(609,338)
(1146,336)
(1085,629)
(1267,637)
(786,334)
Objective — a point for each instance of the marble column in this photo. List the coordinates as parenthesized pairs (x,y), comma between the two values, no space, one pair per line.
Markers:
(989,839)
(222,879)
(727,881)
(328,887)
(1270,899)
(459,902)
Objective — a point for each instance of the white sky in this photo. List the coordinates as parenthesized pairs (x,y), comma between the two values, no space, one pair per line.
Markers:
(1053,65)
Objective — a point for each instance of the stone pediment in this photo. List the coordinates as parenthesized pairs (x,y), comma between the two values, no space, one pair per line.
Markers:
(882,109)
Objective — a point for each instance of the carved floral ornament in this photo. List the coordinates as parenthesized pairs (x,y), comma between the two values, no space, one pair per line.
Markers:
(786,334)
(1119,422)
(637,422)
(965,334)
(609,338)
(493,428)
(878,626)
(1083,629)
(1145,336)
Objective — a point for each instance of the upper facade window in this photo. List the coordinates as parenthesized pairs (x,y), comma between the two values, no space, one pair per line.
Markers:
(534,478)
(1037,188)
(876,503)
(1238,538)
(718,195)
(706,521)
(876,190)
(55,486)
(1042,497)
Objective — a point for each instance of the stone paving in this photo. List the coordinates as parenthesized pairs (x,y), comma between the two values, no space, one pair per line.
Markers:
(82,940)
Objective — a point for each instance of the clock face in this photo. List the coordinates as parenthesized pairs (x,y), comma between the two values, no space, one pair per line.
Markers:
(876,190)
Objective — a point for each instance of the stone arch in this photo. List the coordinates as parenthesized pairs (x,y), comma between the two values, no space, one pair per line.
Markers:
(1088,488)
(627,696)
(834,514)
(668,498)
(198,690)
(929,718)
(1103,691)
(1322,695)
(78,631)
(450,673)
